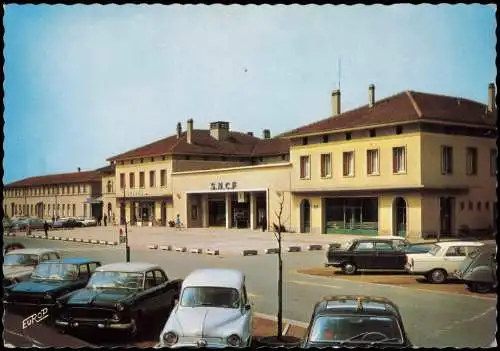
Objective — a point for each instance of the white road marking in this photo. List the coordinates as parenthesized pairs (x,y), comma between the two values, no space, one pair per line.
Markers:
(398,287)
(314,284)
(456,323)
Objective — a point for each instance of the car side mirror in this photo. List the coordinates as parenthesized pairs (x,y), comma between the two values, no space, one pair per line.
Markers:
(248,307)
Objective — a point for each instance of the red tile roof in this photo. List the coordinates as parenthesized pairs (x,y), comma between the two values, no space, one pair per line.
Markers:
(237,144)
(403,107)
(54,179)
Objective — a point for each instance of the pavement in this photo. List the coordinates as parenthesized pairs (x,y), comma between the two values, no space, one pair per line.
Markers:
(431,318)
(201,240)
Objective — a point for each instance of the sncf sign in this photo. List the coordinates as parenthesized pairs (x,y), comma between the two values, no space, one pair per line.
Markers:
(223,185)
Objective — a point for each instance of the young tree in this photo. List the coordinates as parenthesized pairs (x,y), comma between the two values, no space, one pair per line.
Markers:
(278,230)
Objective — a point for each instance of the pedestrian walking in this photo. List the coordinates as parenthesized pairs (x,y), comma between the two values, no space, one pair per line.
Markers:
(46,228)
(178,221)
(105,220)
(53,219)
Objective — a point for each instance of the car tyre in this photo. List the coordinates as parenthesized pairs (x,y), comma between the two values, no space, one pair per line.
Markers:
(349,268)
(481,287)
(437,276)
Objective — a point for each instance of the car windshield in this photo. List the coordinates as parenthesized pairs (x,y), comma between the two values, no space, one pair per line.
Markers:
(56,271)
(355,328)
(116,280)
(434,249)
(20,259)
(210,296)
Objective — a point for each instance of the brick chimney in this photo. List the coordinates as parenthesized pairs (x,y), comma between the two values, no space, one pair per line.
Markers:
(491,97)
(266,134)
(219,130)
(179,130)
(335,102)
(189,130)
(371,95)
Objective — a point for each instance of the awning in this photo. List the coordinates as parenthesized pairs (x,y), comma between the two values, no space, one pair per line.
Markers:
(93,200)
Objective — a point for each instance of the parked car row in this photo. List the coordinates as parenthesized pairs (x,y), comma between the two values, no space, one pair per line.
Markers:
(436,262)
(209,308)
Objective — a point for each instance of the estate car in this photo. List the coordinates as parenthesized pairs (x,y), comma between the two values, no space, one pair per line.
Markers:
(119,296)
(50,280)
(19,264)
(356,321)
(370,254)
(442,260)
(213,312)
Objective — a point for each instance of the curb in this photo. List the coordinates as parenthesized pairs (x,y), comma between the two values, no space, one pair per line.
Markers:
(285,320)
(153,246)
(250,253)
(294,249)
(215,252)
(271,251)
(181,249)
(166,247)
(314,247)
(196,251)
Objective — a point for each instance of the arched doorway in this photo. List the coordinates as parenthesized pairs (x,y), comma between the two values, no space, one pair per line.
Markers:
(163,213)
(399,217)
(305,216)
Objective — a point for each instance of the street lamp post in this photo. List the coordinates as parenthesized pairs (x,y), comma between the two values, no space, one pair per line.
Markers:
(127,248)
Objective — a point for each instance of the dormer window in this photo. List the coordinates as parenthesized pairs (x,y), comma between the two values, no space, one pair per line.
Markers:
(373,133)
(399,130)
(348,136)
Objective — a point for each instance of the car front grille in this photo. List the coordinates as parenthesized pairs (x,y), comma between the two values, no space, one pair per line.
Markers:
(90,313)
(26,298)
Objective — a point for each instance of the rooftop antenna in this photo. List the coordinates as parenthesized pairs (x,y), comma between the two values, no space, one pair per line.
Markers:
(339,72)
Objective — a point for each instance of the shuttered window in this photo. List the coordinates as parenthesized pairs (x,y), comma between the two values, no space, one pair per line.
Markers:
(399,159)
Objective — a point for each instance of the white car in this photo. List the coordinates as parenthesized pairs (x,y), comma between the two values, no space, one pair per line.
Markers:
(19,264)
(442,260)
(87,222)
(213,312)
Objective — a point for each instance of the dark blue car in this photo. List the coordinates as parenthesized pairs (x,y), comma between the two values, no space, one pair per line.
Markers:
(49,280)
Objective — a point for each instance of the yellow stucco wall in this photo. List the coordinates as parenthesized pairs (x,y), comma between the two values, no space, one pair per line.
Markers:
(481,192)
(360,179)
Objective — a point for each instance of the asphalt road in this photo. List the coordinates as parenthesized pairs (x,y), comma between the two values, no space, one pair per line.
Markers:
(432,319)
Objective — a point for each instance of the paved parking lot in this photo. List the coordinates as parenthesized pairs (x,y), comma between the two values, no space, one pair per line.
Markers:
(231,241)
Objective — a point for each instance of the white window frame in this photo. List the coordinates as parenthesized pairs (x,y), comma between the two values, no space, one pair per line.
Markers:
(307,174)
(398,169)
(326,172)
(376,171)
(352,164)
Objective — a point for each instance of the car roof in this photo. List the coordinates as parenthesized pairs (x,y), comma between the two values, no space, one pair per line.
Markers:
(132,267)
(459,243)
(73,260)
(37,251)
(220,277)
(388,237)
(348,304)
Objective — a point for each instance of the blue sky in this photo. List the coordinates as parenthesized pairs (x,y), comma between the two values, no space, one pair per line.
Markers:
(83,83)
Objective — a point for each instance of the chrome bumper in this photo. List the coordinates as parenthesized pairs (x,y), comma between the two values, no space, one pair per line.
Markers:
(94,324)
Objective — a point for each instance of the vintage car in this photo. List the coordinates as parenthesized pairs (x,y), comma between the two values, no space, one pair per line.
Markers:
(12,247)
(213,312)
(367,254)
(442,260)
(120,297)
(19,264)
(87,222)
(353,321)
(49,280)
(407,246)
(478,269)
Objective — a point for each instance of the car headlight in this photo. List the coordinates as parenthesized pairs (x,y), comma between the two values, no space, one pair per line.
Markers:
(119,307)
(170,338)
(234,340)
(115,317)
